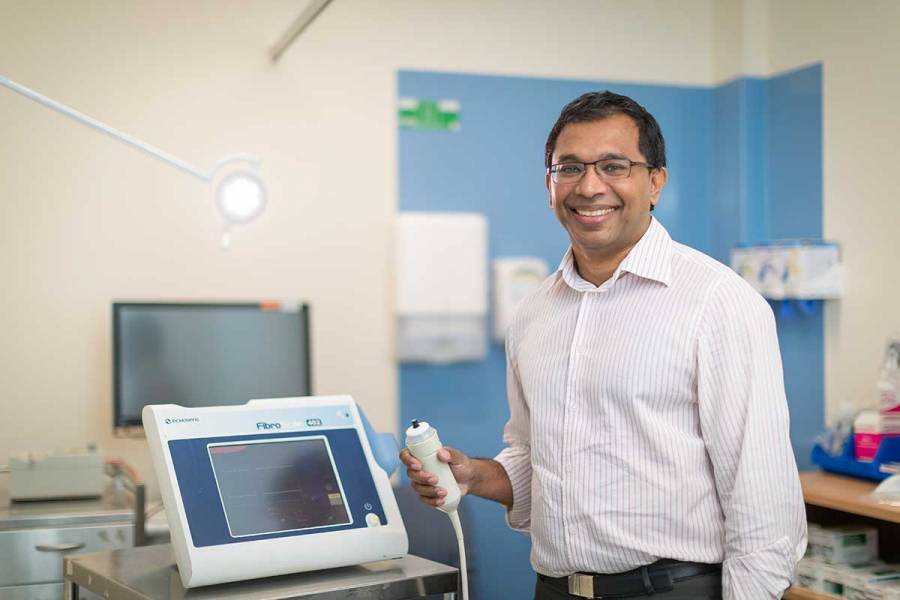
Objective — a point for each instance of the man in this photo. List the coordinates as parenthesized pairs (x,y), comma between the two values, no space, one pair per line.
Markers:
(647,450)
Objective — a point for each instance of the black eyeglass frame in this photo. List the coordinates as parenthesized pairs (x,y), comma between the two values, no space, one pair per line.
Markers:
(553,170)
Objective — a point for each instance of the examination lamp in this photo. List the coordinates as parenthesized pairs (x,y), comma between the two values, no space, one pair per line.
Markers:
(239,192)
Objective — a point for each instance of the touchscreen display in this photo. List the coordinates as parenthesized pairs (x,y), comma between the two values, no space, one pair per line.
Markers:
(278,485)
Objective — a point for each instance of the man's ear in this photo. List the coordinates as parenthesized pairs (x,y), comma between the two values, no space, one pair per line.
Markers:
(658,179)
(549,191)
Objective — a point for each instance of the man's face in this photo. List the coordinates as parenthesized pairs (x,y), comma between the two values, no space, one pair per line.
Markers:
(604,218)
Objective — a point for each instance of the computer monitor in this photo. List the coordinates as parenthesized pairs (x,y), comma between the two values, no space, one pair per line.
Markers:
(194,355)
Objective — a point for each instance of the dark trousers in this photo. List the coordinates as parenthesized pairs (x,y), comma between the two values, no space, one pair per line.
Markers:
(707,585)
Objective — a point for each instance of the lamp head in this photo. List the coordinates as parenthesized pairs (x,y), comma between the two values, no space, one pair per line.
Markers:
(241,197)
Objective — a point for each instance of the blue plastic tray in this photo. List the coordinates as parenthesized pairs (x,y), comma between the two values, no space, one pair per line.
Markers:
(846,463)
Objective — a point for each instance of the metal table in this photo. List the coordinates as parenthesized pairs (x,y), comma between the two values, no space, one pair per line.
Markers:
(150,573)
(115,506)
(36,535)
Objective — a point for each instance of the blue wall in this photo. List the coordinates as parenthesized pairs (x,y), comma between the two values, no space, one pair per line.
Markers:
(794,209)
(767,184)
(732,154)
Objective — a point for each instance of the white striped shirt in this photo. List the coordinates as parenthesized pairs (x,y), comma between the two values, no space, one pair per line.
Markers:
(648,420)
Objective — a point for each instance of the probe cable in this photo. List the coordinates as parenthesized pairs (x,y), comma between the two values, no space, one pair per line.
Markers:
(457,527)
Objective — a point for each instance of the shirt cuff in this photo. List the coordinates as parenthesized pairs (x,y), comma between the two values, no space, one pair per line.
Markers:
(763,574)
(516,461)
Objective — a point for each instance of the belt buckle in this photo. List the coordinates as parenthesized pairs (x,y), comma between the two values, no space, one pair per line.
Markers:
(582,585)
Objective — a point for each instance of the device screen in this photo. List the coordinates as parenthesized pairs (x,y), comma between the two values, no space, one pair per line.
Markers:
(278,485)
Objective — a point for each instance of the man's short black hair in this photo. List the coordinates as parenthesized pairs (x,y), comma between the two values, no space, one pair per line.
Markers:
(599,105)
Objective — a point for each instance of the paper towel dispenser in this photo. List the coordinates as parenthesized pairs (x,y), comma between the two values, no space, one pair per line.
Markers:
(441,275)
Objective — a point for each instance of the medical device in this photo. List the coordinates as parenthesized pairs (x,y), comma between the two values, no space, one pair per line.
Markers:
(60,473)
(423,443)
(205,354)
(271,487)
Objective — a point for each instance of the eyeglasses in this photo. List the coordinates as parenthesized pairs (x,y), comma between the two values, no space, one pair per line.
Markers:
(608,169)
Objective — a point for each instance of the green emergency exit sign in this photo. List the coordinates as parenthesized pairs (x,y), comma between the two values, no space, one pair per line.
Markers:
(430,115)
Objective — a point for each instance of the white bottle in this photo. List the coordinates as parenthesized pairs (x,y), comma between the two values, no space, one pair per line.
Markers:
(888,384)
(423,443)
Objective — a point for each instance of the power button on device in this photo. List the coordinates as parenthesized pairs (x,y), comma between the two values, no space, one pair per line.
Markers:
(372,520)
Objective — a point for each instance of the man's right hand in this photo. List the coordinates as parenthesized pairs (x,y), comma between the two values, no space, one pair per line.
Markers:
(425,483)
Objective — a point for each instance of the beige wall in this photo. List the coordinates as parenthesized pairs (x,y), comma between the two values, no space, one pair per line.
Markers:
(741,38)
(86,220)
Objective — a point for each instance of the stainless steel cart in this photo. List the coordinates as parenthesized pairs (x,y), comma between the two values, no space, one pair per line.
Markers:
(150,572)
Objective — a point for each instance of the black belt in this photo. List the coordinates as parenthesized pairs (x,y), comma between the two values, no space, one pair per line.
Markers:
(657,577)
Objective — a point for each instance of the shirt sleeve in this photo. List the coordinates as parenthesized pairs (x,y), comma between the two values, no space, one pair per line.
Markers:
(745,426)
(515,458)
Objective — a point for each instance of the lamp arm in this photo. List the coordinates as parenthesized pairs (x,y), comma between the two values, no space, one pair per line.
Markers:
(249,159)
(309,14)
(106,129)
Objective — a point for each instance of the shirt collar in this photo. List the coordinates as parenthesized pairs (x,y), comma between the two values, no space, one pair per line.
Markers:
(651,258)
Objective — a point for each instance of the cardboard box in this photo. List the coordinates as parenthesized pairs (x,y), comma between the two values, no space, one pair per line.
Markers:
(809,574)
(846,544)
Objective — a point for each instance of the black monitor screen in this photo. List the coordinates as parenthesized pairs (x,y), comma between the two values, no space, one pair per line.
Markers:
(206,355)
(283,485)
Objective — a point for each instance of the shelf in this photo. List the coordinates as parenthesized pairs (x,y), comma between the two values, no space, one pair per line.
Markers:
(798,593)
(845,494)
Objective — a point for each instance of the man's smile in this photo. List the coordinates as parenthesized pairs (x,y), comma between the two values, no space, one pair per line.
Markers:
(593,215)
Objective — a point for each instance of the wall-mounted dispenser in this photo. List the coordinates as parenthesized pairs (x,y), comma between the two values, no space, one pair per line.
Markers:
(441,271)
(791,269)
(514,278)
